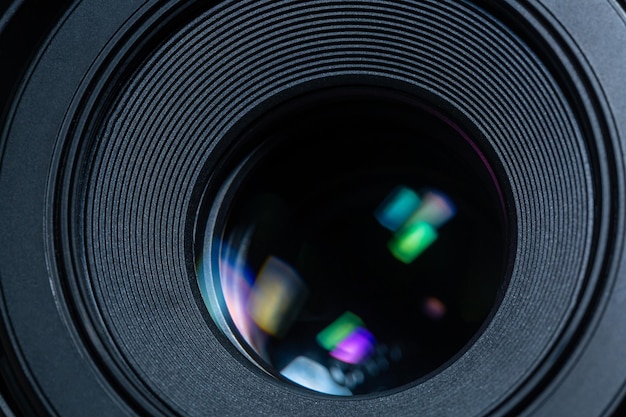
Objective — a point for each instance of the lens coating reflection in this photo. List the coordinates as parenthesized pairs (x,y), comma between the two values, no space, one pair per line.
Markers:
(362,246)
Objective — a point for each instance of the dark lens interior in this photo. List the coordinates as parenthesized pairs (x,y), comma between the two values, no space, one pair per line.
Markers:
(359,247)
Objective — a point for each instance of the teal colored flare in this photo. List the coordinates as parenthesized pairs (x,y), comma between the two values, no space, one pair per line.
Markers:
(397,208)
(338,330)
(411,241)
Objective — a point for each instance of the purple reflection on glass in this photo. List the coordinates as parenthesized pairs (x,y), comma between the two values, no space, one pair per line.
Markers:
(355,348)
(236,282)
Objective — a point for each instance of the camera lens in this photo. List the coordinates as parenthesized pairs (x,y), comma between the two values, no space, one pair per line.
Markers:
(357,243)
(312,208)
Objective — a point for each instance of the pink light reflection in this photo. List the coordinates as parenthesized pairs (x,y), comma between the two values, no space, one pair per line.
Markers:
(436,209)
(236,287)
(355,348)
(434,308)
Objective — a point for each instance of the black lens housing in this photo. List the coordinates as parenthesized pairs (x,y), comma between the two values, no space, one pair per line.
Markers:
(116,115)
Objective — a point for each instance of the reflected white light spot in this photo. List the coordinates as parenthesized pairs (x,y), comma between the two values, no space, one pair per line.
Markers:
(314,376)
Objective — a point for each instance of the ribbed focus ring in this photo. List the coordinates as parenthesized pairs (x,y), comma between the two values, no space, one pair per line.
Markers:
(165,130)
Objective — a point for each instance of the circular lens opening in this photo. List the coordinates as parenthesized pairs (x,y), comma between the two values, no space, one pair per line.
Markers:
(356,244)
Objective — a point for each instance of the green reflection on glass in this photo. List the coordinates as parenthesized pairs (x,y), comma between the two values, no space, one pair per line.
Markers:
(338,330)
(411,241)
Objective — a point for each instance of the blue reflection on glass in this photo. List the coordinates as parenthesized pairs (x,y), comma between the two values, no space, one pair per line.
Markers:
(397,208)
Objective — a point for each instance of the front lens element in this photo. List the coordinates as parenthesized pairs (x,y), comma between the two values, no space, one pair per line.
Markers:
(358,247)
